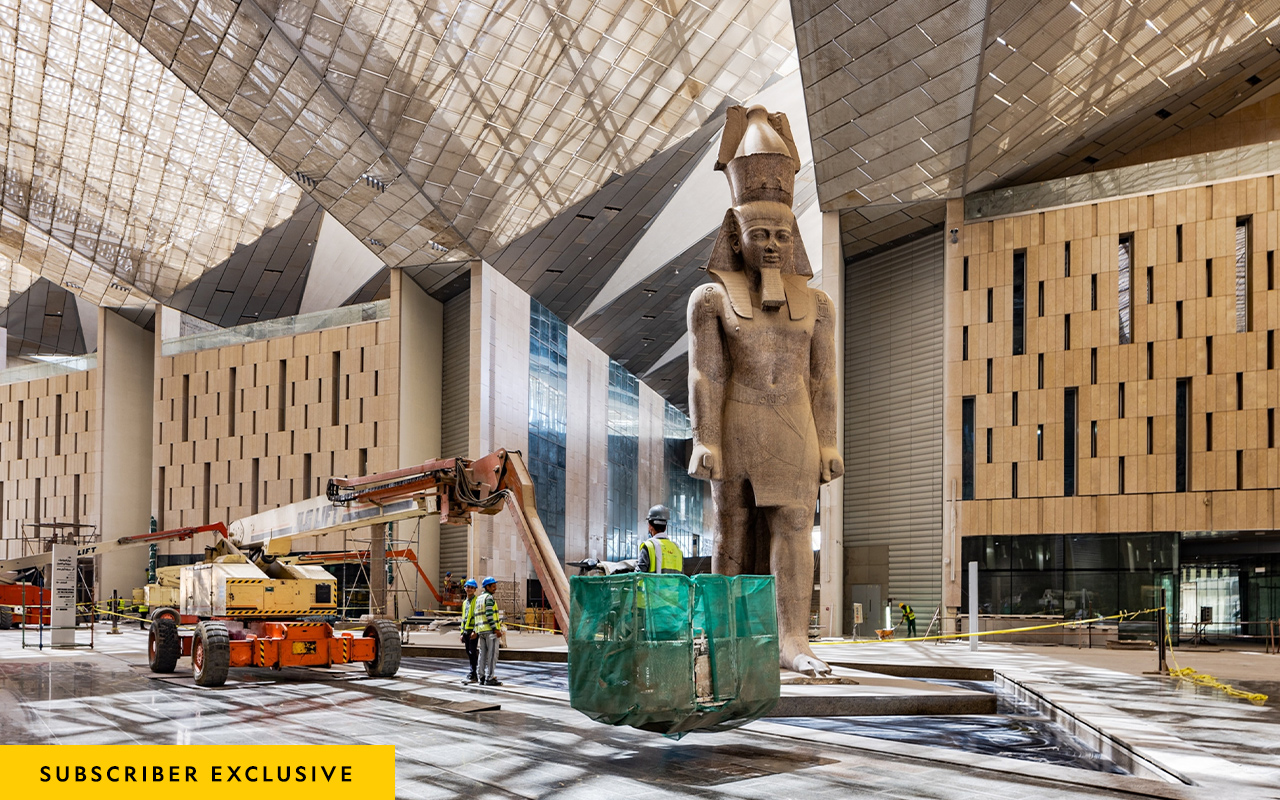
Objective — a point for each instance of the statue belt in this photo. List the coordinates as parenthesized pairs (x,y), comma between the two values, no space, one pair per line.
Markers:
(762,397)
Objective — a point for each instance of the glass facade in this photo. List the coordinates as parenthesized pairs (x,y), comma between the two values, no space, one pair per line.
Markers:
(624,460)
(1071,575)
(684,494)
(548,417)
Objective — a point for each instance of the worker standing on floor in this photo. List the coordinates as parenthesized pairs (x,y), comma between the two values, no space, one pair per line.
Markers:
(909,617)
(470,639)
(488,628)
(658,553)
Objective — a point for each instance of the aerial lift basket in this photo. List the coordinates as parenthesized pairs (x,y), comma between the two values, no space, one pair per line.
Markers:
(673,654)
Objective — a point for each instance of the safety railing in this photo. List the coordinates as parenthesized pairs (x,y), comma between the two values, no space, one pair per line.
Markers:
(274,328)
(48,368)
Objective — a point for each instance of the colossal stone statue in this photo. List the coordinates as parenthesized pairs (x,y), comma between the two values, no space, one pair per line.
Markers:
(762,382)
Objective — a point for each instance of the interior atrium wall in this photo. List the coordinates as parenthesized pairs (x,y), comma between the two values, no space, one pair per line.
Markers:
(892,523)
(454,417)
(48,465)
(248,427)
(1157,313)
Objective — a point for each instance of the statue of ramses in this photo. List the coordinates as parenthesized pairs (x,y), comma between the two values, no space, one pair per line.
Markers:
(762,380)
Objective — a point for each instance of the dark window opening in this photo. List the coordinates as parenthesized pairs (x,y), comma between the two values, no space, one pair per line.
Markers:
(991,305)
(1182,438)
(1151,435)
(1178,317)
(1244,274)
(1041,304)
(966,273)
(1014,482)
(1151,360)
(1015,409)
(990,371)
(1178,244)
(1208,432)
(1040,442)
(1093,439)
(1208,355)
(1019,301)
(1121,487)
(1093,366)
(1120,401)
(1093,292)
(1239,470)
(989,448)
(966,450)
(1151,283)
(1069,435)
(1208,277)
(1066,332)
(1124,261)
(1040,371)
(1239,391)
(1066,259)
(964,344)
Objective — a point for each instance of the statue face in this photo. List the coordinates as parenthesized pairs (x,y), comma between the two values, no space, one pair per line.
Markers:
(766,238)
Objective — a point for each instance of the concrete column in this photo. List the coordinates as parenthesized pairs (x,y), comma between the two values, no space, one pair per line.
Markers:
(420,322)
(125,375)
(4,348)
(952,310)
(831,496)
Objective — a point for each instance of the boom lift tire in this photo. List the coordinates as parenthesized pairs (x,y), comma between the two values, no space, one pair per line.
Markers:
(386,658)
(211,653)
(6,618)
(163,646)
(170,614)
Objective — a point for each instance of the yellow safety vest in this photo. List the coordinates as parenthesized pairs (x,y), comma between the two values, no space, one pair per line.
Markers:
(468,614)
(486,613)
(664,555)
(908,614)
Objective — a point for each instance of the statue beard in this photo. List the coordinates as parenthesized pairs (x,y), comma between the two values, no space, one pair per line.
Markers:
(772,294)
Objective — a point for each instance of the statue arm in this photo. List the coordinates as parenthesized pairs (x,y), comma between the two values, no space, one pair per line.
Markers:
(823,387)
(708,372)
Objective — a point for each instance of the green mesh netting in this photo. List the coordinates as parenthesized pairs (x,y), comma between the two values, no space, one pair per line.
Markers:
(673,654)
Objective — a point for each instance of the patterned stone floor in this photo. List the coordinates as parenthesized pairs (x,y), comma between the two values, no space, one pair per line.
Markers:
(535,747)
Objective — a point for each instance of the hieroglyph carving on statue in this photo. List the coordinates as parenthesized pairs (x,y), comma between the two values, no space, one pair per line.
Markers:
(762,379)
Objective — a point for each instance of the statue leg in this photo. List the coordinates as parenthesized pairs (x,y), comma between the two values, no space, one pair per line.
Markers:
(732,552)
(791,556)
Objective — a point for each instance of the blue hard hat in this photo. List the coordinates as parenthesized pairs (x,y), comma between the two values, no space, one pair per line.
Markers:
(471,583)
(489,581)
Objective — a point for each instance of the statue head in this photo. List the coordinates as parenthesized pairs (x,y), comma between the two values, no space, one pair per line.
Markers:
(759,234)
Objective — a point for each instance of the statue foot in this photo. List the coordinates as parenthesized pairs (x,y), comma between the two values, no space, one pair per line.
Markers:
(801,659)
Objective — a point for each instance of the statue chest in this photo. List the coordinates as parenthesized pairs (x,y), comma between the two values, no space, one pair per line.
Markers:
(768,337)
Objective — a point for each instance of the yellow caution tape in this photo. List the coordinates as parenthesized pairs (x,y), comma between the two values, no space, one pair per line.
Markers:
(1204,679)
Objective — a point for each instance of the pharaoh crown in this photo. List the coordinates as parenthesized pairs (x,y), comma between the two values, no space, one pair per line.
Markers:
(758,155)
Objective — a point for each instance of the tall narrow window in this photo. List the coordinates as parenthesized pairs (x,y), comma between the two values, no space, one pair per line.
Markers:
(990,370)
(1151,360)
(1271,349)
(964,344)
(1182,435)
(21,424)
(1015,409)
(1069,435)
(1208,432)
(1041,299)
(1208,355)
(1066,259)
(989,446)
(966,273)
(334,383)
(1151,285)
(253,488)
(1093,366)
(1040,442)
(1093,292)
(1239,470)
(1271,270)
(1244,274)
(1040,371)
(186,408)
(231,404)
(1271,427)
(160,499)
(282,395)
(1120,401)
(1208,277)
(307,483)
(966,448)
(1178,317)
(1019,301)
(1121,486)
(1239,391)
(1093,439)
(1125,262)
(1014,480)
(206,492)
(1151,435)
(57,425)
(991,305)
(1178,244)
(1066,332)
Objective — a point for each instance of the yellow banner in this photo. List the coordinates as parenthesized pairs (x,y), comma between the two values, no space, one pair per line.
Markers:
(310,772)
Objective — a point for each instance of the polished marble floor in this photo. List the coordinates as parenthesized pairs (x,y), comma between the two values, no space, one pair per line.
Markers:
(451,741)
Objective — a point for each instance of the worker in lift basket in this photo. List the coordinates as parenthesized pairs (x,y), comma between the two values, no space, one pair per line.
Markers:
(488,628)
(470,639)
(658,553)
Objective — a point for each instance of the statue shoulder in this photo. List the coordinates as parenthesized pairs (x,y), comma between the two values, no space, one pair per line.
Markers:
(708,298)
(823,302)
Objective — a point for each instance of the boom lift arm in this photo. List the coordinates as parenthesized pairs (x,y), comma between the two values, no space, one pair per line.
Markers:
(463,487)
